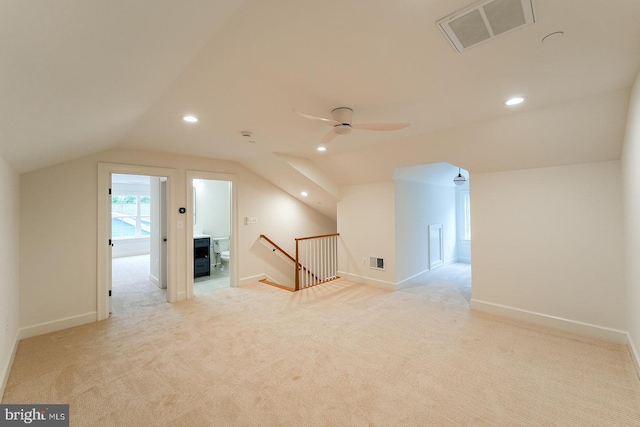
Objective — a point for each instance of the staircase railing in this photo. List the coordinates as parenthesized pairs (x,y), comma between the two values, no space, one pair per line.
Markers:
(281,251)
(316,260)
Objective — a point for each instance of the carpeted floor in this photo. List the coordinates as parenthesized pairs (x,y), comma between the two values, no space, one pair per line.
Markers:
(133,290)
(338,354)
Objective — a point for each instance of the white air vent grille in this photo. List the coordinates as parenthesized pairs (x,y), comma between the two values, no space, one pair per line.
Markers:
(486,20)
(376,263)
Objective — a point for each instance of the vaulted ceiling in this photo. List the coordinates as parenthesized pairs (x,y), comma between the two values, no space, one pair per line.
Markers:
(81,76)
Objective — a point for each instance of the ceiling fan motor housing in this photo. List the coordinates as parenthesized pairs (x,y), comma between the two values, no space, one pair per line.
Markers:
(342,115)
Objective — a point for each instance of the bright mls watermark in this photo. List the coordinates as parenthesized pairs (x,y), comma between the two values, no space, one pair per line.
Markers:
(34,415)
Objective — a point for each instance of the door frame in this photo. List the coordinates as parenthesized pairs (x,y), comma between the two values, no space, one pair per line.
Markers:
(103,280)
(233,224)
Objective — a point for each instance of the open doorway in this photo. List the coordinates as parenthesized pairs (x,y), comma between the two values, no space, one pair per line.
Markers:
(138,238)
(433,230)
(212,226)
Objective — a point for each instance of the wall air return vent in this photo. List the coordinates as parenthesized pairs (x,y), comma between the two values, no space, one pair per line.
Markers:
(376,263)
(486,20)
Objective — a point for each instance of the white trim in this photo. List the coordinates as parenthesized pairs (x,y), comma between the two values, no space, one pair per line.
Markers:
(57,325)
(233,225)
(252,279)
(567,325)
(466,260)
(436,230)
(368,281)
(153,279)
(7,369)
(633,351)
(403,283)
(105,170)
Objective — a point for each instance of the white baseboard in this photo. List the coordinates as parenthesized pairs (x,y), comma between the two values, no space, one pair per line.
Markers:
(153,279)
(130,253)
(57,325)
(7,369)
(466,260)
(567,325)
(401,284)
(252,279)
(634,354)
(368,281)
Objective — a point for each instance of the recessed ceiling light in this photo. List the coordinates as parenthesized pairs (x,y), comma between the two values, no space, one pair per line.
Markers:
(321,148)
(190,119)
(514,101)
(304,194)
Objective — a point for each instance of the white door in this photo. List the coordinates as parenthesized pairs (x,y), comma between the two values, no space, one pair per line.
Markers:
(436,250)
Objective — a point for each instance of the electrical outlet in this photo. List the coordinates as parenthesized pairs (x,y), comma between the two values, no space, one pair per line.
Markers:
(364,261)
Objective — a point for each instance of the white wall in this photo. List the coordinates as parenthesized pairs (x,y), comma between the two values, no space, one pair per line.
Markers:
(417,205)
(631,180)
(59,223)
(280,217)
(213,206)
(366,223)
(9,249)
(549,241)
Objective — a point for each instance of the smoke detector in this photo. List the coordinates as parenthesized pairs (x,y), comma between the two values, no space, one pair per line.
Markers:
(485,21)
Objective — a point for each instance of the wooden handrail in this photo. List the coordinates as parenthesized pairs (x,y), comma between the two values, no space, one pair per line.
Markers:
(262,236)
(297,264)
(317,237)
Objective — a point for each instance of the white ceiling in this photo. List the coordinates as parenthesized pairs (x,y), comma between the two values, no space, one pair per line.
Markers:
(81,76)
(441,174)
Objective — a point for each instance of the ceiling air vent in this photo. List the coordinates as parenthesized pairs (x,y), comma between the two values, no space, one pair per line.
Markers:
(486,20)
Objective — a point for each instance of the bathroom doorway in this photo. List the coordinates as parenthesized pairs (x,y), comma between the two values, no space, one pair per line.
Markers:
(211,225)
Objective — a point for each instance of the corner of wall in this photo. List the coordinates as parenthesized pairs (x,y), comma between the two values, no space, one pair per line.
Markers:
(7,369)
(633,351)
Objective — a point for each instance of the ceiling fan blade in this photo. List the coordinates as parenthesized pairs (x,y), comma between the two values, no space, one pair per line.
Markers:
(328,137)
(380,126)
(320,119)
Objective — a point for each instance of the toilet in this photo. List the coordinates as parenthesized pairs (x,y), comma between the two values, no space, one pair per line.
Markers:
(221,251)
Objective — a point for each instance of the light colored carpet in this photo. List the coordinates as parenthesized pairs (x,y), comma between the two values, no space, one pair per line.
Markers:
(133,290)
(338,354)
(131,286)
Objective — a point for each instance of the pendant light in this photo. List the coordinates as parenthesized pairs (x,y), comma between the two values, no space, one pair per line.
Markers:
(459,179)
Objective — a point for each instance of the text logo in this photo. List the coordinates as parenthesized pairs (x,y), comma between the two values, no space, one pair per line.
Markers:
(34,415)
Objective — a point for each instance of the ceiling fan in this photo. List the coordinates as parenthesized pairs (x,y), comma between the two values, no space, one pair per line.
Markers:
(342,125)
